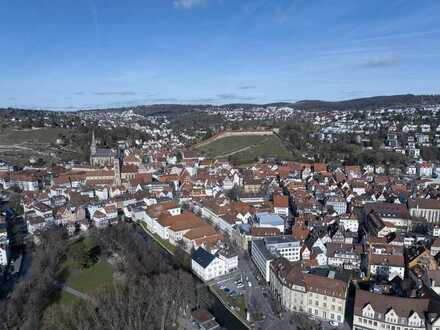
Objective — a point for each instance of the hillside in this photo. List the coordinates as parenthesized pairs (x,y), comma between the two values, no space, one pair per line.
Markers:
(310,105)
(244,148)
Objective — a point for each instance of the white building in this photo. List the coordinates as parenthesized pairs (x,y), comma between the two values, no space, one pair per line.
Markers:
(387,266)
(208,266)
(350,223)
(265,250)
(375,312)
(337,203)
(426,208)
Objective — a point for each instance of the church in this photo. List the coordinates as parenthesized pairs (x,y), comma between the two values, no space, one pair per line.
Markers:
(100,156)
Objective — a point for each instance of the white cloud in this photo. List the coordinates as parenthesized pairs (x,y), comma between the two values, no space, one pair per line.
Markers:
(188,4)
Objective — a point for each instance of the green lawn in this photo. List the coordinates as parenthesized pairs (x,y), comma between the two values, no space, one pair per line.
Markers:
(258,147)
(270,147)
(230,144)
(87,280)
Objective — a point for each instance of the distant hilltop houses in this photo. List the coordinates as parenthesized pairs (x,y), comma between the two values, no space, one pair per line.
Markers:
(344,243)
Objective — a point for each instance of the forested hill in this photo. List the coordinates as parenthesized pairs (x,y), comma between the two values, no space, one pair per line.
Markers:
(373,102)
(369,102)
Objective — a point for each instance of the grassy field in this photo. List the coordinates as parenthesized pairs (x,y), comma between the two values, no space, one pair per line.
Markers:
(85,280)
(246,149)
(230,144)
(18,146)
(43,135)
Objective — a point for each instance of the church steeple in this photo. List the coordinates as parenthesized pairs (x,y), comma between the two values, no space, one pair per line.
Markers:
(117,169)
(93,144)
(92,148)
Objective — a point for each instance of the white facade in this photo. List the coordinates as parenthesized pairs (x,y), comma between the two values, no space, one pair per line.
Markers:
(350,224)
(261,258)
(208,266)
(387,270)
(283,211)
(214,269)
(3,255)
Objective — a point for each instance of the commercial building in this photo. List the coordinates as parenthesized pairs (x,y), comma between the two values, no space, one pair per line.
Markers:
(266,249)
(374,311)
(318,296)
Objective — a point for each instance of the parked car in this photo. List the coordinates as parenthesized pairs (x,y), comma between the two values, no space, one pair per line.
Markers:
(333,323)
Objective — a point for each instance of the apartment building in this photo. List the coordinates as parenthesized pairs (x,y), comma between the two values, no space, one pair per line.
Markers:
(376,311)
(315,295)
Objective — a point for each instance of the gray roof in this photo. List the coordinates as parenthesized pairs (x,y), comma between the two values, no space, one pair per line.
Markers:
(273,219)
(103,153)
(283,240)
(202,257)
(259,244)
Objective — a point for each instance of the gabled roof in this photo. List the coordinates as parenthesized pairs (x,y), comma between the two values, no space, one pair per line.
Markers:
(202,257)
(403,307)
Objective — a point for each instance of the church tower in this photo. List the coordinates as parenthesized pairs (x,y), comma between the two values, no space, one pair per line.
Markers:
(117,169)
(92,148)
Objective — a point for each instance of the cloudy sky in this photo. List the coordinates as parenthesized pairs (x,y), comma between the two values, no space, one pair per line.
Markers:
(68,54)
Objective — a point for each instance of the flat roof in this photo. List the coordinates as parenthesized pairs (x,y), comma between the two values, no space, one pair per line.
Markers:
(261,246)
(284,240)
(265,218)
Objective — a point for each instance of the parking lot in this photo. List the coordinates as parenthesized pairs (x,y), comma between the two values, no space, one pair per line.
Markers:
(246,285)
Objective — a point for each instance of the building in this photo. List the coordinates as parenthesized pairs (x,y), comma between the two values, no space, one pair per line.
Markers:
(207,265)
(35,223)
(376,311)
(204,320)
(323,297)
(424,169)
(281,205)
(426,208)
(350,223)
(435,247)
(337,203)
(346,256)
(390,213)
(100,156)
(387,266)
(4,247)
(269,220)
(265,250)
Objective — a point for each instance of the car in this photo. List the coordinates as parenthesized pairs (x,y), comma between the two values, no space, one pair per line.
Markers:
(333,323)
(249,284)
(240,285)
(227,289)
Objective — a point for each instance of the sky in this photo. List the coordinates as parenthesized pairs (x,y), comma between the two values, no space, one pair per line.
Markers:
(71,54)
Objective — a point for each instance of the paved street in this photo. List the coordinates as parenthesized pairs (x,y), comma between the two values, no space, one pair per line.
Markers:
(259,300)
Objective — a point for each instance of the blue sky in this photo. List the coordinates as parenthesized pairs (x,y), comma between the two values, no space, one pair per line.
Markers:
(68,54)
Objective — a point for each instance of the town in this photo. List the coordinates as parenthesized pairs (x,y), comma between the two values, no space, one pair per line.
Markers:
(282,233)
